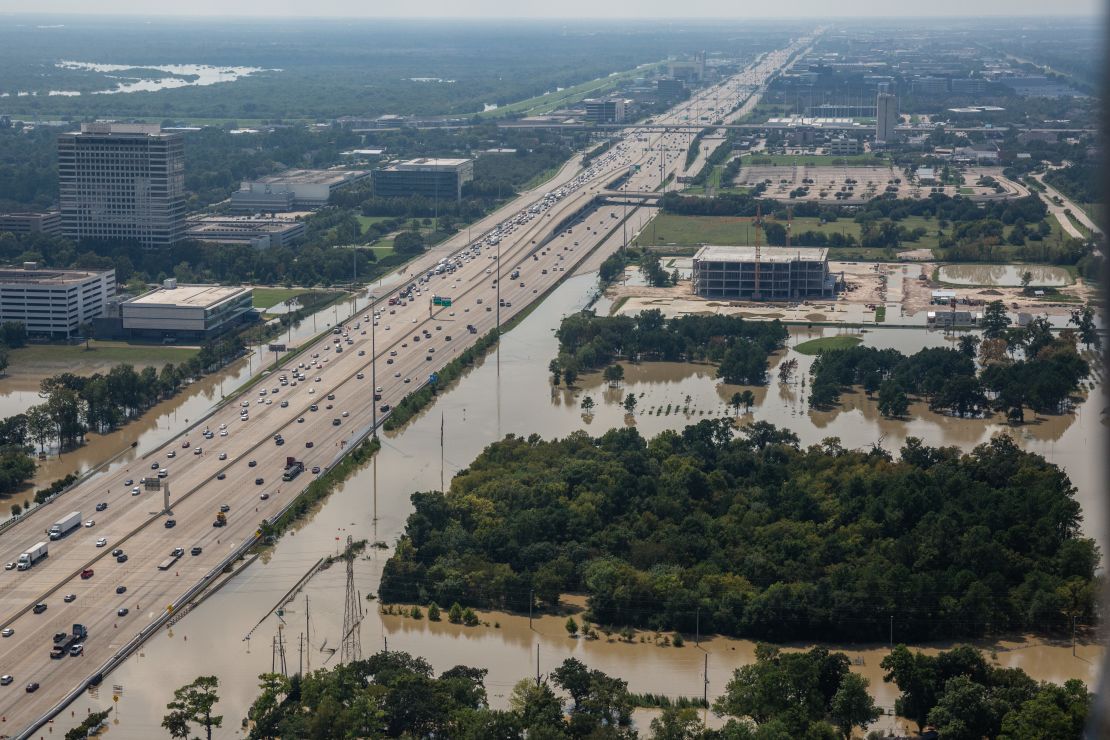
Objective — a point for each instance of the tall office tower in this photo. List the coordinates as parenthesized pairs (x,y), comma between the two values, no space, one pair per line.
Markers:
(122,182)
(886,116)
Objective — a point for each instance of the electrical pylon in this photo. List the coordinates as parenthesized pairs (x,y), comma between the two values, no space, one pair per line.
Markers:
(351,647)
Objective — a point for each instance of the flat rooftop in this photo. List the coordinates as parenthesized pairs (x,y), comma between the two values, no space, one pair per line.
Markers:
(766,254)
(428,163)
(43,276)
(189,296)
(312,177)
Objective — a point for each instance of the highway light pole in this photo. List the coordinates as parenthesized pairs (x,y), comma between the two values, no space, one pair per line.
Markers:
(499,287)
(374,362)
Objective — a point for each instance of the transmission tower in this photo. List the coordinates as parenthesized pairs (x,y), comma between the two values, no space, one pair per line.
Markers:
(351,647)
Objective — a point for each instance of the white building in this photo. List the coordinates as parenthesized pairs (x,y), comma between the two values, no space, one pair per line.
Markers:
(196,312)
(292,189)
(54,302)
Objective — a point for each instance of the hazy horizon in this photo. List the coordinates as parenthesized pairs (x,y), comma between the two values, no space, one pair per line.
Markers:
(572,10)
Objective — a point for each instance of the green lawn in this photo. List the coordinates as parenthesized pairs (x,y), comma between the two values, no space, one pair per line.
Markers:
(98,356)
(541,104)
(1096,211)
(824,344)
(880,314)
(364,221)
(266,297)
(815,160)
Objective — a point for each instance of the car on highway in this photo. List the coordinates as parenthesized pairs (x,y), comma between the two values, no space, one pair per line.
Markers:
(221,476)
(32,687)
(9,566)
(185,445)
(252,463)
(223,432)
(123,611)
(408,380)
(75,650)
(128,482)
(69,598)
(90,523)
(170,523)
(258,481)
(135,491)
(121,589)
(101,506)
(283,404)
(178,552)
(198,451)
(335,422)
(171,454)
(102,542)
(265,497)
(6,680)
(309,444)
(315,469)
(223,455)
(7,632)
(86,574)
(121,558)
(163,473)
(195,551)
(155,465)
(39,608)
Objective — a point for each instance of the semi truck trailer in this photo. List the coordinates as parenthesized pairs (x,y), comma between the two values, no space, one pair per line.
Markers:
(32,555)
(65,525)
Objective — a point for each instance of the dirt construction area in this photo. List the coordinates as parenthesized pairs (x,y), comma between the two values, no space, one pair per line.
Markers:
(904,292)
(859,184)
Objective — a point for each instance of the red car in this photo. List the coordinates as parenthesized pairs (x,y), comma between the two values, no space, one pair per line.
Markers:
(87,573)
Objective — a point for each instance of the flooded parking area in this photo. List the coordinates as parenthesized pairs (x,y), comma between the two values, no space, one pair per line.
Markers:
(1006,276)
(510,392)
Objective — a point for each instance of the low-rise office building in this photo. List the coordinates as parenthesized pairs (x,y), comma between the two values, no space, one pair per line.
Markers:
(49,223)
(608,110)
(186,312)
(429,177)
(778,274)
(54,303)
(258,232)
(291,189)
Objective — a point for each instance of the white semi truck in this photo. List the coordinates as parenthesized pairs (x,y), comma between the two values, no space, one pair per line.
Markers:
(63,526)
(32,555)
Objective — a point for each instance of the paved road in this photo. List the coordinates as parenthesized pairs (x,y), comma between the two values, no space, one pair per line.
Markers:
(236,469)
(1080,215)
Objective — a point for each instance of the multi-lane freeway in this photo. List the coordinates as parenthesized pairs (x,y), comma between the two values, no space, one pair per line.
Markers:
(319,401)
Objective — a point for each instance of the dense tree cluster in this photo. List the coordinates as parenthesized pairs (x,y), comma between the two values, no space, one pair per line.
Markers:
(1080,182)
(741,348)
(1049,372)
(78,404)
(963,696)
(754,536)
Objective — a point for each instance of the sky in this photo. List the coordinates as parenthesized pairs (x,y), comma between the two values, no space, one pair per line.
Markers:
(564,8)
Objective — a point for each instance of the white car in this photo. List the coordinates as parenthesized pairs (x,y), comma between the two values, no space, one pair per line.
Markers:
(9,566)
(223,432)
(102,542)
(90,523)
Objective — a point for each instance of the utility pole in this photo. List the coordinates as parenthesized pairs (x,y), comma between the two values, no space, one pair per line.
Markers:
(499,287)
(307,633)
(705,681)
(441,450)
(374,363)
(300,655)
(537,665)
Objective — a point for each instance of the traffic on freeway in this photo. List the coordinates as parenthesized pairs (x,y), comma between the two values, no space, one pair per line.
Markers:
(119,562)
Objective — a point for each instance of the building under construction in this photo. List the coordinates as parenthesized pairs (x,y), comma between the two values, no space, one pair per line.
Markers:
(763,273)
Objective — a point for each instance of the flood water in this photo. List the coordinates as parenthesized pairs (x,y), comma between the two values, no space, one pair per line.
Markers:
(136,77)
(510,392)
(1005,276)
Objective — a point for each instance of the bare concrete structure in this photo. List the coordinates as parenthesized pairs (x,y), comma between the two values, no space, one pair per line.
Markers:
(780,273)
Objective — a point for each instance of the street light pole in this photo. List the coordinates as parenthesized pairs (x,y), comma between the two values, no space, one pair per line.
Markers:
(374,362)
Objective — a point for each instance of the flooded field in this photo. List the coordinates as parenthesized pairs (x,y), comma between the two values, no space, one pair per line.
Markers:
(510,393)
(1004,276)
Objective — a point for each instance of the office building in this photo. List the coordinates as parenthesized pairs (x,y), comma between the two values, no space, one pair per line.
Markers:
(429,177)
(969,86)
(779,273)
(608,110)
(54,302)
(843,146)
(122,181)
(186,312)
(669,88)
(886,117)
(256,231)
(930,86)
(292,189)
(49,223)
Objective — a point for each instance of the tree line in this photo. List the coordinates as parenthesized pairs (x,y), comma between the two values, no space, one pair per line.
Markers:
(739,347)
(752,536)
(1043,378)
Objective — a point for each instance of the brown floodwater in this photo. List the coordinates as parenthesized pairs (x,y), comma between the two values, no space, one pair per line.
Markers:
(510,392)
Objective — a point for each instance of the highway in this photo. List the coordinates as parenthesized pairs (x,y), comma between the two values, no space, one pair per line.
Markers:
(241,465)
